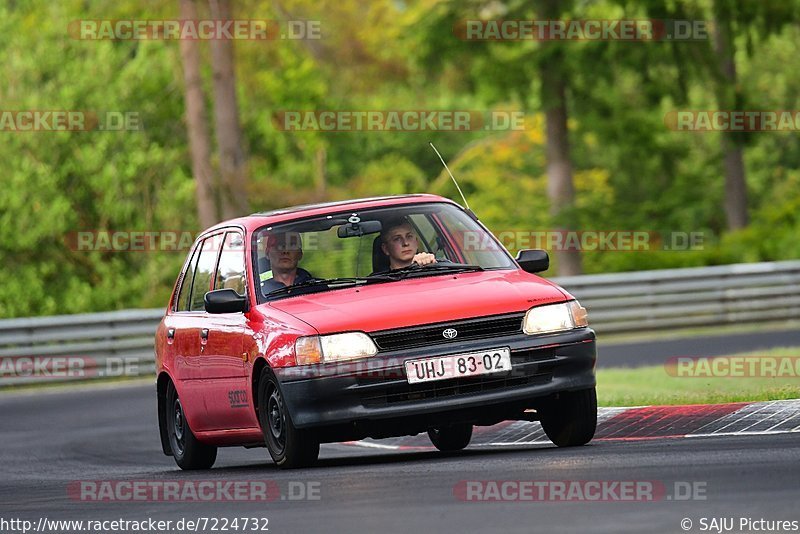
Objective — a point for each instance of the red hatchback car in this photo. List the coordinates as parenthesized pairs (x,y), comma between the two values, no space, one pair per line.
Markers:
(367,318)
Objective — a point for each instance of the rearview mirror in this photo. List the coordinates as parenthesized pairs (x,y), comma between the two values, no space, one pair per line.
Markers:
(533,260)
(357,229)
(224,301)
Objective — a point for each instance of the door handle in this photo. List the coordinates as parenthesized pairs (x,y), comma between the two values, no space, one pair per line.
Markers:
(204,334)
(170,333)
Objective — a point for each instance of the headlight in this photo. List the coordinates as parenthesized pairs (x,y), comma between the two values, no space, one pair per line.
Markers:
(334,348)
(554,318)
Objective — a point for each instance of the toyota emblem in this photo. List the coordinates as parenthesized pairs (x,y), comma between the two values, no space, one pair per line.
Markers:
(450,333)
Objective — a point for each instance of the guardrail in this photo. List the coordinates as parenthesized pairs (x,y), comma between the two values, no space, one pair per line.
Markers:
(121,343)
(683,298)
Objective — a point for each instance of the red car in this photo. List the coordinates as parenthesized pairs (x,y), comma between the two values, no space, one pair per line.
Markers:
(367,318)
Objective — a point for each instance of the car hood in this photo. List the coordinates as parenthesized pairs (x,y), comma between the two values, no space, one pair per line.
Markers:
(433,299)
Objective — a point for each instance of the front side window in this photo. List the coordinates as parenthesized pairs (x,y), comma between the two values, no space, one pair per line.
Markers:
(230,269)
(204,272)
(374,245)
(182,301)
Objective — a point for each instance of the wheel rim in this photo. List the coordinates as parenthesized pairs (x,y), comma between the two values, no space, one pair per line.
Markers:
(178,427)
(276,419)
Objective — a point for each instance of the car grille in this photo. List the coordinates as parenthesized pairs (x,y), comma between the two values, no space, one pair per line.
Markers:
(432,334)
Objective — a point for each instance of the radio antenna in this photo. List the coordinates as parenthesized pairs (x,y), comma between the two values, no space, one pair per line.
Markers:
(466,204)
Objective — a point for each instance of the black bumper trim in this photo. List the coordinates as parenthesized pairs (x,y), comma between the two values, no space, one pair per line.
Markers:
(346,395)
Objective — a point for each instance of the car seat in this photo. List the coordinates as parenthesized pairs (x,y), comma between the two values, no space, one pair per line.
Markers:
(380,261)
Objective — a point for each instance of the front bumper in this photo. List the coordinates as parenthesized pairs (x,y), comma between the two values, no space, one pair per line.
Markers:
(372,397)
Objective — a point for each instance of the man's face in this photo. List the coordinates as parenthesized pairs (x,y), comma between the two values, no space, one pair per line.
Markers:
(400,244)
(284,251)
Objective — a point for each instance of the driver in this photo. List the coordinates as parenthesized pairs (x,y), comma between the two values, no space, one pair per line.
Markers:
(284,251)
(399,243)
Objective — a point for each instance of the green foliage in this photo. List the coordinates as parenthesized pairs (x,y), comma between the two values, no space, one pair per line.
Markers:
(631,172)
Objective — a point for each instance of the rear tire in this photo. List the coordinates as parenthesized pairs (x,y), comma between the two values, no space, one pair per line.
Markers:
(451,438)
(571,419)
(288,446)
(188,451)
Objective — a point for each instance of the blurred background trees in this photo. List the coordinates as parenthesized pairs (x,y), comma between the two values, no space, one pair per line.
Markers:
(596,153)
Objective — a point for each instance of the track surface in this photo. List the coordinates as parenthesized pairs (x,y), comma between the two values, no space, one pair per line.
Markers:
(51,439)
(640,353)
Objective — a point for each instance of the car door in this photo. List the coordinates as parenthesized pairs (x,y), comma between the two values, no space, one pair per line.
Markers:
(223,360)
(188,324)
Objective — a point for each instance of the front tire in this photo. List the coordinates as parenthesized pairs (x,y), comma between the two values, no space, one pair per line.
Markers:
(451,438)
(571,419)
(188,451)
(288,446)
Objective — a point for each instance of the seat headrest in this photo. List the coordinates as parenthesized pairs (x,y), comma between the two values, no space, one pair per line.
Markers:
(380,261)
(263,265)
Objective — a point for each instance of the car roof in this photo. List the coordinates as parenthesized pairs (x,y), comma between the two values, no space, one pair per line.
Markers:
(259,219)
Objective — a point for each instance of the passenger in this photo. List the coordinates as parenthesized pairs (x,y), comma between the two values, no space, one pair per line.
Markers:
(399,243)
(284,251)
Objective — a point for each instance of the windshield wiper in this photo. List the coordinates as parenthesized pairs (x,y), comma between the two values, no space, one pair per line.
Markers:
(389,276)
(345,281)
(443,266)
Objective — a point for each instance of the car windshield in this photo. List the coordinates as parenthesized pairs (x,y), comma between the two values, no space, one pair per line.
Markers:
(380,245)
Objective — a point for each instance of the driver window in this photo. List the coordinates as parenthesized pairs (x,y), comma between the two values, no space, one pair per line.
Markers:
(204,273)
(230,269)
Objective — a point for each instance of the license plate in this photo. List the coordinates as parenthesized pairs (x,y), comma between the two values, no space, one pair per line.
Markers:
(458,365)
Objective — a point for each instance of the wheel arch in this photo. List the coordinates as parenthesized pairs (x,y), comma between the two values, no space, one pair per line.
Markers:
(162,384)
(258,368)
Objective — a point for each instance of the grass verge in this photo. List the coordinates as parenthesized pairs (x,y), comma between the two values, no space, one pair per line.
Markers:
(655,385)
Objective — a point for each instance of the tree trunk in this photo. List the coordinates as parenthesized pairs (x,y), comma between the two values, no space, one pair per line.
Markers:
(197,124)
(728,99)
(560,187)
(232,163)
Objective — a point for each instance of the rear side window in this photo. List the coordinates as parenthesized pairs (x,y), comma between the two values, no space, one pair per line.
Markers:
(230,271)
(182,303)
(204,273)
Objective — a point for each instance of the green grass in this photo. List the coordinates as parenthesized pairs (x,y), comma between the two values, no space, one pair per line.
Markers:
(654,385)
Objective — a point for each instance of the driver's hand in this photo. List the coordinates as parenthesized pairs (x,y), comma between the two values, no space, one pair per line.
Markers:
(424,258)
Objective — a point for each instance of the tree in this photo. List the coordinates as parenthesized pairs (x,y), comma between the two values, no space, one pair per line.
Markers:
(729,98)
(197,124)
(560,186)
(232,164)
(732,19)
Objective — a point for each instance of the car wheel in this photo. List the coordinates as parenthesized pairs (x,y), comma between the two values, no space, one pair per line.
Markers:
(189,453)
(289,447)
(571,419)
(451,438)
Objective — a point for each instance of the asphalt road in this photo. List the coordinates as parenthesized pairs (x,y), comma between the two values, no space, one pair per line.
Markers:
(656,352)
(50,440)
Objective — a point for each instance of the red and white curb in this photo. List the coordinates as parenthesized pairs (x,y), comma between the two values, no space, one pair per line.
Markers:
(638,423)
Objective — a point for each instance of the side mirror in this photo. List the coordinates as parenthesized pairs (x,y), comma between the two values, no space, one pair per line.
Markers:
(533,260)
(224,301)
